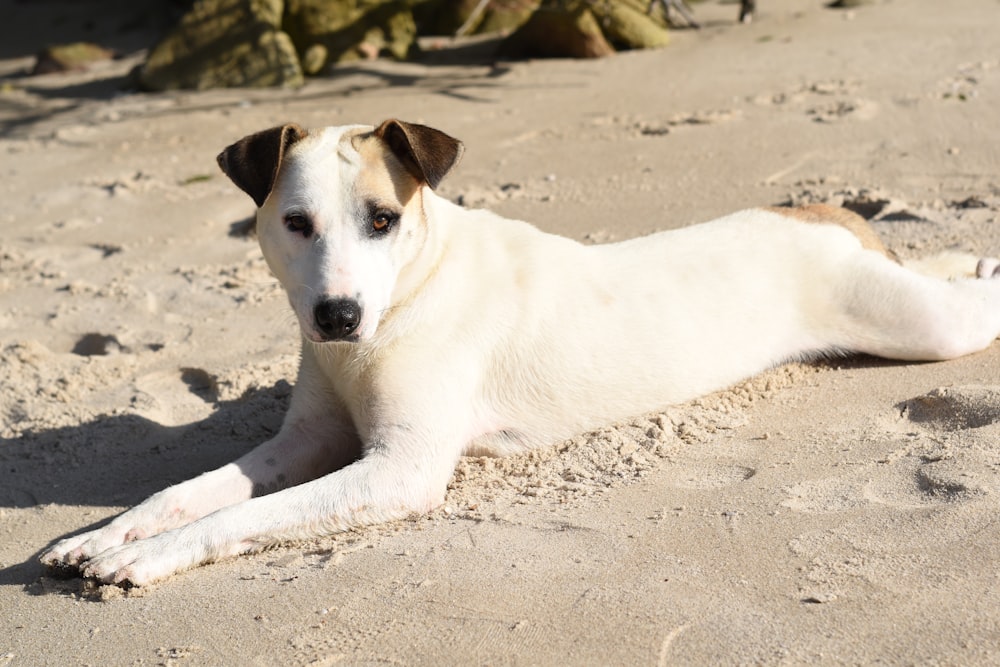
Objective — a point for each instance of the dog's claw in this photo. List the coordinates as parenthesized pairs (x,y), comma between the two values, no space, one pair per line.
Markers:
(72,552)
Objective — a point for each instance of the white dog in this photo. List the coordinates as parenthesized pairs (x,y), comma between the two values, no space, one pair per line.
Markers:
(430,331)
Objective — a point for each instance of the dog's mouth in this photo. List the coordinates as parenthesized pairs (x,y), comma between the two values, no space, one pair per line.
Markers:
(322,339)
(314,335)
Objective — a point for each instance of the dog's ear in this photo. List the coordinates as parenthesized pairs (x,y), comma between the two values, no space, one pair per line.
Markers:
(426,153)
(252,162)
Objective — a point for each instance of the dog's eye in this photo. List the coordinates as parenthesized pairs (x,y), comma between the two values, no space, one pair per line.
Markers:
(383,221)
(298,224)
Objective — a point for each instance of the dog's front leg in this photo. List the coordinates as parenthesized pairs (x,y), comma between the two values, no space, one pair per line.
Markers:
(392,480)
(289,458)
(315,438)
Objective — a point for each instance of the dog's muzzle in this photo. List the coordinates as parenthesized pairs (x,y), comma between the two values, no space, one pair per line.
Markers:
(337,319)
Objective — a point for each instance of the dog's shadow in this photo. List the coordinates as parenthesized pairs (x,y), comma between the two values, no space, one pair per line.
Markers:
(119,461)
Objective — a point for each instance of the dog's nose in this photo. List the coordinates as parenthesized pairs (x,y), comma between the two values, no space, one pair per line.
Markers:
(337,319)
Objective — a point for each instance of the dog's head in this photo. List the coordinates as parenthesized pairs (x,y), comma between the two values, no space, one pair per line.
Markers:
(341,214)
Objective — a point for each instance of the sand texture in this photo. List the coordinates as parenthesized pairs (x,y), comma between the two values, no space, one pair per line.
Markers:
(835,513)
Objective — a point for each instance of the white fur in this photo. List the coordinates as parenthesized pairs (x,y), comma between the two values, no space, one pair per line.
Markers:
(486,335)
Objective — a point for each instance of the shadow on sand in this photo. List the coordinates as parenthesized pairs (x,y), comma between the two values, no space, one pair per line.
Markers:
(120,460)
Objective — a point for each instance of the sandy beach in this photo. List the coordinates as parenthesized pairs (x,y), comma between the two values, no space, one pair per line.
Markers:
(843,512)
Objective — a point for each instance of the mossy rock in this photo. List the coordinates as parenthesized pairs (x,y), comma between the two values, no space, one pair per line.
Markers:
(503,19)
(585,29)
(70,57)
(559,30)
(626,25)
(443,17)
(224,44)
(326,32)
(447,17)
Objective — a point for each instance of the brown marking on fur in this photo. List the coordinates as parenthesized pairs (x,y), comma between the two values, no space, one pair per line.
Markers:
(835,215)
(252,163)
(384,178)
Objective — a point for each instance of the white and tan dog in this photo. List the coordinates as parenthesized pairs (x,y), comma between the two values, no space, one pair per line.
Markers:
(430,331)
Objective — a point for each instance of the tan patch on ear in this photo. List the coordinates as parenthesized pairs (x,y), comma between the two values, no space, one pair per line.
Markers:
(383,177)
(835,215)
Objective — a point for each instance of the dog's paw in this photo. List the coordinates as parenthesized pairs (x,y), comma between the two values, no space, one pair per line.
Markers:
(988,267)
(163,511)
(73,551)
(138,563)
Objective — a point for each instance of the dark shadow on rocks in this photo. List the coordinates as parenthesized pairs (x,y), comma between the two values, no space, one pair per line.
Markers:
(440,75)
(120,25)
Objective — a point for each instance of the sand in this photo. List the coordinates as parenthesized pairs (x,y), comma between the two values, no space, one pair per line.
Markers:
(835,513)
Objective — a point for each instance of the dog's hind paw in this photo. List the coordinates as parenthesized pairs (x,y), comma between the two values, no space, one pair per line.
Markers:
(988,267)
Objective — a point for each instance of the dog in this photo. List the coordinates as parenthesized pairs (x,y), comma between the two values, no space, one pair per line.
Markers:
(430,331)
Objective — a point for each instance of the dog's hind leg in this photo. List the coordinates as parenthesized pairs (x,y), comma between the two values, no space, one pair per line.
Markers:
(887,310)
(951,265)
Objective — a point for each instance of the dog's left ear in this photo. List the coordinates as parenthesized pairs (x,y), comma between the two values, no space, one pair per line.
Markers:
(426,153)
(252,162)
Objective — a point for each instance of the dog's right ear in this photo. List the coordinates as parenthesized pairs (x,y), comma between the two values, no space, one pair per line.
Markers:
(252,162)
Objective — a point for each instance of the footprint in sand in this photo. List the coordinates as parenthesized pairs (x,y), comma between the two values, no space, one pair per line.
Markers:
(900,487)
(656,128)
(950,481)
(822,496)
(823,101)
(955,408)
(931,483)
(170,398)
(855,109)
(201,383)
(97,344)
(963,85)
(707,475)
(925,470)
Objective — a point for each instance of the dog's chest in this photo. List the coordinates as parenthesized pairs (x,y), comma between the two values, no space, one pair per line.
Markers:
(379,394)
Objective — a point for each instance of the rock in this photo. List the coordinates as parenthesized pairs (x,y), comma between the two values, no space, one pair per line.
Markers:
(558,30)
(223,44)
(233,43)
(327,32)
(504,18)
(626,25)
(581,29)
(445,18)
(70,57)
(466,17)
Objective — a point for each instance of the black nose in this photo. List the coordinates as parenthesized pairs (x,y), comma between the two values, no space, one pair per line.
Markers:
(337,319)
